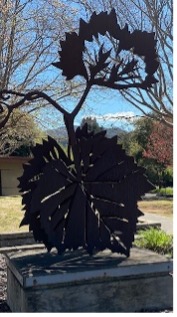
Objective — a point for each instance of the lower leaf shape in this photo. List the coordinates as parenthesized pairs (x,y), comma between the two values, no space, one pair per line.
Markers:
(95,210)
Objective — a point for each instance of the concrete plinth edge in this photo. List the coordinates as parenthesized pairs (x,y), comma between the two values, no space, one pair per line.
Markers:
(77,282)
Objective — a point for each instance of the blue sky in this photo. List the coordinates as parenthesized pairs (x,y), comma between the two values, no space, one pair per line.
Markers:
(106,105)
(109,108)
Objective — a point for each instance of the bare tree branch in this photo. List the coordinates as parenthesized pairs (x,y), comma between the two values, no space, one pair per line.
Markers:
(147,15)
(29,34)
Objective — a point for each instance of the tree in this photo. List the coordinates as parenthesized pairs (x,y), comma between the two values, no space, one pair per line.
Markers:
(29,35)
(151,144)
(149,15)
(160,145)
(135,141)
(19,134)
(92,124)
(159,149)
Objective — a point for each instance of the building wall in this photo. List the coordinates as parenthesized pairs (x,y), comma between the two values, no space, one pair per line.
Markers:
(10,169)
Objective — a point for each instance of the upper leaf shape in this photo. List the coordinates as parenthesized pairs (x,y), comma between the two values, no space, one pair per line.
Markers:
(71,56)
(72,60)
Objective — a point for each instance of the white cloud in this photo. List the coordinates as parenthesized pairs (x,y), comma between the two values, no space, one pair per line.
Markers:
(112,117)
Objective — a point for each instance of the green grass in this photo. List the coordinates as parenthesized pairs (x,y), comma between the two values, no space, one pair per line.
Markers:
(156,240)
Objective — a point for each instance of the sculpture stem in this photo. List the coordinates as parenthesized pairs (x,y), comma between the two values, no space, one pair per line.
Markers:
(69,122)
(72,143)
(81,101)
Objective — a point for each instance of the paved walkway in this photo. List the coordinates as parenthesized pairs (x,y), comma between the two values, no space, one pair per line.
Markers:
(166,222)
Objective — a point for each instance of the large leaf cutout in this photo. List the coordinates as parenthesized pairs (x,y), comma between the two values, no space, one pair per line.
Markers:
(96,210)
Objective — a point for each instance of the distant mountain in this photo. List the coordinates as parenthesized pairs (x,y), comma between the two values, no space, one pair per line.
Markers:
(114,131)
(60,134)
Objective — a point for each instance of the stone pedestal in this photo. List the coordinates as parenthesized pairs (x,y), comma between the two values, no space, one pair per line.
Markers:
(77,282)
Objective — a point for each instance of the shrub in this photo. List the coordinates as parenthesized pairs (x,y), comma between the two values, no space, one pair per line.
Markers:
(168,176)
(156,240)
(168,191)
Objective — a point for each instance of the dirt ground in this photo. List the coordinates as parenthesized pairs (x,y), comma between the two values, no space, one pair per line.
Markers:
(3,286)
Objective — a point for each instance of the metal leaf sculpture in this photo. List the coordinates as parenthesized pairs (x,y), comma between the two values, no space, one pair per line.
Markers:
(88,197)
(95,208)
(139,43)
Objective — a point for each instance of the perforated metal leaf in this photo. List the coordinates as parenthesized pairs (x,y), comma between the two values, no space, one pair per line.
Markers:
(140,43)
(95,208)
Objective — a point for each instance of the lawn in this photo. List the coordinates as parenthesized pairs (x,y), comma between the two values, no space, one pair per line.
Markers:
(160,207)
(11,212)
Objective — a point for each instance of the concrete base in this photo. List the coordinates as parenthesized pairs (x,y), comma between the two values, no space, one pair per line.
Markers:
(76,282)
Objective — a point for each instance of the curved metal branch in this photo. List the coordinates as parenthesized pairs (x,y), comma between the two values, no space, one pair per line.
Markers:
(103,83)
(81,101)
(30,96)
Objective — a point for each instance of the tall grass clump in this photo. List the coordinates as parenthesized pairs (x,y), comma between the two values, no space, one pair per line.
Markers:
(156,240)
